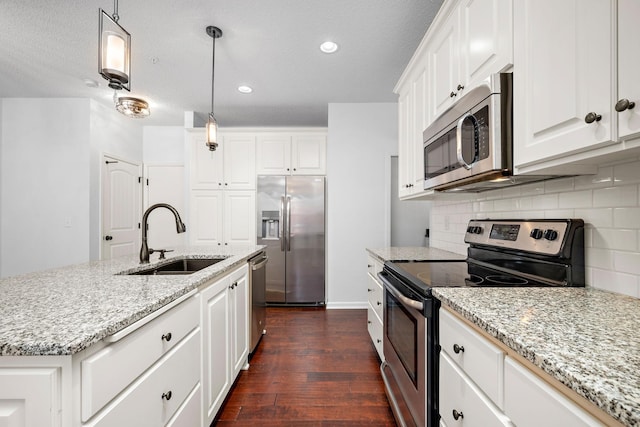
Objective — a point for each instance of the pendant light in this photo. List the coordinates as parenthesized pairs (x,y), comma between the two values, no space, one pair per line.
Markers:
(212,124)
(114,51)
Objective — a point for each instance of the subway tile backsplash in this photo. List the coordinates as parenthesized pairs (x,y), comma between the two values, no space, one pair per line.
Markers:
(608,202)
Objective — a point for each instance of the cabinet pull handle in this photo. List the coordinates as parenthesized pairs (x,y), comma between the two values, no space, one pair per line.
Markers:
(452,94)
(369,322)
(460,87)
(457,349)
(379,340)
(592,117)
(457,415)
(167,337)
(379,303)
(167,395)
(624,104)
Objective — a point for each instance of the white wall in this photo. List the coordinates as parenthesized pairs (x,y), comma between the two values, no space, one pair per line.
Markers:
(608,202)
(361,140)
(44,184)
(50,159)
(163,144)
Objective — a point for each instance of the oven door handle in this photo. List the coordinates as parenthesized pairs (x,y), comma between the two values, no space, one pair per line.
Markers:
(396,293)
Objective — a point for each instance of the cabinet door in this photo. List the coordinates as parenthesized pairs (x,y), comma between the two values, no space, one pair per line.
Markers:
(273,154)
(309,155)
(551,409)
(405,161)
(239,302)
(240,217)
(216,330)
(206,168)
(206,217)
(563,72)
(29,397)
(628,66)
(486,39)
(239,161)
(443,66)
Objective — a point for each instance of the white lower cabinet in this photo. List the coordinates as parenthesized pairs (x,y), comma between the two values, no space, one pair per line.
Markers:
(154,398)
(481,385)
(462,402)
(189,414)
(551,409)
(375,295)
(225,322)
(30,397)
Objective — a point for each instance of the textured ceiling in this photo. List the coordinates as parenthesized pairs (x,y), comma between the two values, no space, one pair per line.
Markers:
(48,49)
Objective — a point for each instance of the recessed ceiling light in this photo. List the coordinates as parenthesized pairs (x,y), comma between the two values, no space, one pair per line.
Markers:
(245,89)
(328,47)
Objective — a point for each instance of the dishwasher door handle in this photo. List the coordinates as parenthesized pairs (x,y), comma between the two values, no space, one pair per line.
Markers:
(259,265)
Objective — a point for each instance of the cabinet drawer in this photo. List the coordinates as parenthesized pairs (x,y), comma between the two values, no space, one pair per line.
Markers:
(189,414)
(112,369)
(374,291)
(147,401)
(374,325)
(458,393)
(479,359)
(374,266)
(551,409)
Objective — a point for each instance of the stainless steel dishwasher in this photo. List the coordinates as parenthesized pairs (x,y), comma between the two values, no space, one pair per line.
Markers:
(257,289)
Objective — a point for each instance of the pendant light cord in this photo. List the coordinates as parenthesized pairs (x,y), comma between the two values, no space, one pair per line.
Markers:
(116,17)
(213,70)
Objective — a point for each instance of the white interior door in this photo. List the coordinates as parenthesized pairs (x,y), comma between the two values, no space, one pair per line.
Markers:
(121,204)
(165,184)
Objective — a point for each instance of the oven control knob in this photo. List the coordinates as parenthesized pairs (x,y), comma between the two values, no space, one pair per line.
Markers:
(474,229)
(550,234)
(536,233)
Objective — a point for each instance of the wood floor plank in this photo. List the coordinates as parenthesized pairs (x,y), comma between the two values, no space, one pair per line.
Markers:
(315,368)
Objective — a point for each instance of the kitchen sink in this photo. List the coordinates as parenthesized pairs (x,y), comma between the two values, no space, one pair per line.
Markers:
(179,266)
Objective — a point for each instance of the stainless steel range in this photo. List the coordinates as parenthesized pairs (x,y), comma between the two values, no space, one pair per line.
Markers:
(502,253)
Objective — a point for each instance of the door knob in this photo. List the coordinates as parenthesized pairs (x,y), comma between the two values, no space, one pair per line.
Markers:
(624,104)
(107,238)
(592,117)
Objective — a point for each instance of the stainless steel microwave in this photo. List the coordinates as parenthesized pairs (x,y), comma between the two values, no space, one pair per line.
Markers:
(469,146)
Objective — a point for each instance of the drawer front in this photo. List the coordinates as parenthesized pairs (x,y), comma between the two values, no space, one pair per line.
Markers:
(478,358)
(147,402)
(458,393)
(189,414)
(551,409)
(112,369)
(374,291)
(374,325)
(374,266)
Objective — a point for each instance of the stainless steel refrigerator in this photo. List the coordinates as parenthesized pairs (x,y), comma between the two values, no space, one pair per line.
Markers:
(291,223)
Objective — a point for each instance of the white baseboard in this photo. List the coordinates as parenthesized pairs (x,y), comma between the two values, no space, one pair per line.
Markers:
(347,305)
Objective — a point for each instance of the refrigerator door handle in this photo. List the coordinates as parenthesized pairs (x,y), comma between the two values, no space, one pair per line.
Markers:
(288,225)
(281,234)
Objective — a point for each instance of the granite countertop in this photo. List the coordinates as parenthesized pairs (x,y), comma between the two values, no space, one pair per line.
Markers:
(414,253)
(65,310)
(587,339)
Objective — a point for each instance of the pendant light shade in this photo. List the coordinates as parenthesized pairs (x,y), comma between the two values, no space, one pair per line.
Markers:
(114,51)
(133,107)
(212,124)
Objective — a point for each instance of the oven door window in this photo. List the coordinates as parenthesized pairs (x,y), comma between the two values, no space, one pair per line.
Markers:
(402,332)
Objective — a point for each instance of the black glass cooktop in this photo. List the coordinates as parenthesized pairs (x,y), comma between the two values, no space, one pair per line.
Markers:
(424,275)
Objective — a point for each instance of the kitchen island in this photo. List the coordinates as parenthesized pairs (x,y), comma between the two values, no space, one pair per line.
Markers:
(586,339)
(94,345)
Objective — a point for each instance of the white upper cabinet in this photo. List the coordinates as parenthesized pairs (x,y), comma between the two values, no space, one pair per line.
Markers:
(628,66)
(291,153)
(231,166)
(562,77)
(468,41)
(473,42)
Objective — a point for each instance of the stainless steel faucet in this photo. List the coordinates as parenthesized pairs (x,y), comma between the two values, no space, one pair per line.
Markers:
(180,228)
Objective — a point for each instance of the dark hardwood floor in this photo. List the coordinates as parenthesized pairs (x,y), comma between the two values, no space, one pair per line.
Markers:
(314,367)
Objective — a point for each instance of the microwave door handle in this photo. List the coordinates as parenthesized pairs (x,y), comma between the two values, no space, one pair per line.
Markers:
(459,140)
